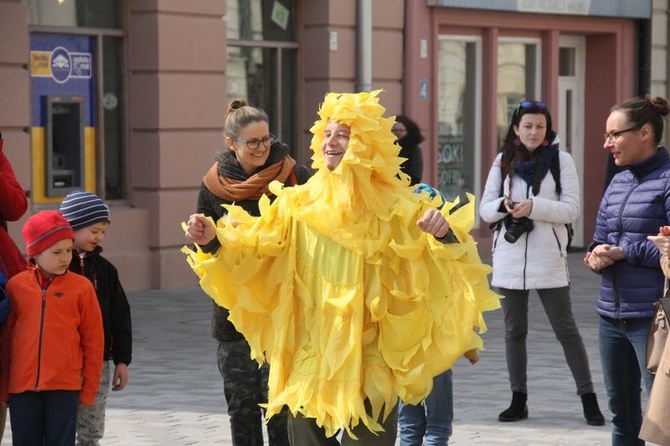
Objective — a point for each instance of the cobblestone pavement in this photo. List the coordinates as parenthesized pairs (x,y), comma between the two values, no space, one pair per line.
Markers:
(175,396)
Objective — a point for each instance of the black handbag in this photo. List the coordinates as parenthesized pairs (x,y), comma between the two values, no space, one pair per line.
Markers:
(658,331)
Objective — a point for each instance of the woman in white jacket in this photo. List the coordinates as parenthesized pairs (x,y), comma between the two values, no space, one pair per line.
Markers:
(531,192)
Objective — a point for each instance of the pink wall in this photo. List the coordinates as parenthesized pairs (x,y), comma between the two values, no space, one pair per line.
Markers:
(15,97)
(323,70)
(177,91)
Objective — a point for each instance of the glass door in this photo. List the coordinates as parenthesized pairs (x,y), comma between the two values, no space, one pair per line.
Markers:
(518,78)
(459,121)
(571,68)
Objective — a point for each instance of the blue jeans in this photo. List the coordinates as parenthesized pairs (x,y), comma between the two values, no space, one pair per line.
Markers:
(431,419)
(623,346)
(44,418)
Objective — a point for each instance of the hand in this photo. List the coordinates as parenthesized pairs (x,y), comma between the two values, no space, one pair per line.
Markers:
(602,257)
(434,223)
(472,355)
(595,262)
(662,240)
(199,229)
(613,253)
(120,377)
(519,209)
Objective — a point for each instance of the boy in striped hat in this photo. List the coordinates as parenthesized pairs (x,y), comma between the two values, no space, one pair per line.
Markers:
(89,217)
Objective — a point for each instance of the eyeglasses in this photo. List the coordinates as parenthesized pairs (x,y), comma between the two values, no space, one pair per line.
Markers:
(613,136)
(255,144)
(527,104)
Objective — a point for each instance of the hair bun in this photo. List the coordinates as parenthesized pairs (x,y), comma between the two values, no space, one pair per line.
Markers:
(659,104)
(235,104)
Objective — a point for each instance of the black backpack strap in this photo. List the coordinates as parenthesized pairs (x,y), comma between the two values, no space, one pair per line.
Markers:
(502,180)
(555,169)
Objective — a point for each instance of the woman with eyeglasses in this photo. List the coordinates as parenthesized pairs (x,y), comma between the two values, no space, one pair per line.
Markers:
(531,193)
(635,205)
(241,175)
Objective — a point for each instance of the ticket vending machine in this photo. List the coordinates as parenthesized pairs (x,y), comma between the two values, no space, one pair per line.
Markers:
(64,144)
(63,111)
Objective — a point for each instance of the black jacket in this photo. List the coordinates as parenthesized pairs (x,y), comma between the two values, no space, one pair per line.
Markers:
(113,303)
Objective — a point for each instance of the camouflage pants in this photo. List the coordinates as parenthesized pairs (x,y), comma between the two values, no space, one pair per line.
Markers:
(91,420)
(245,387)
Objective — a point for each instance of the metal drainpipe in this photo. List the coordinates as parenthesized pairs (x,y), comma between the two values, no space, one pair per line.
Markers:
(364,45)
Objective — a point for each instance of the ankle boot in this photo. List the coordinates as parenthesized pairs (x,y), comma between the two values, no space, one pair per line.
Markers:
(518,410)
(591,410)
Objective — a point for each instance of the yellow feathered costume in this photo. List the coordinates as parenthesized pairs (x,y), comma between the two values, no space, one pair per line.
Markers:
(336,287)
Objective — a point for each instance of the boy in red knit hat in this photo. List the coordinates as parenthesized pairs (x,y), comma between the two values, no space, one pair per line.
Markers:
(53,340)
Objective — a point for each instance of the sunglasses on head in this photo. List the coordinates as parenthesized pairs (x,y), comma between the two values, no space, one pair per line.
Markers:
(527,104)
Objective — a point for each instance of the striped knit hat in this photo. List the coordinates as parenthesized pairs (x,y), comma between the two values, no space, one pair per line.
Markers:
(43,230)
(82,209)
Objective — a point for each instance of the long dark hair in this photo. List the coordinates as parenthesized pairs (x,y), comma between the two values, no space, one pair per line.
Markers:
(514,151)
(413,137)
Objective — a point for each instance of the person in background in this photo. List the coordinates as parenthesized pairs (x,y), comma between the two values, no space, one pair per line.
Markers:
(529,248)
(432,419)
(242,174)
(356,259)
(656,421)
(52,343)
(635,205)
(13,204)
(409,137)
(89,217)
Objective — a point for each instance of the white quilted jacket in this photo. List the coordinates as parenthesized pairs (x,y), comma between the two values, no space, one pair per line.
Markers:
(538,258)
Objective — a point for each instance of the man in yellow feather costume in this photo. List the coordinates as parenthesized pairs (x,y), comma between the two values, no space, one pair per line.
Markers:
(345,284)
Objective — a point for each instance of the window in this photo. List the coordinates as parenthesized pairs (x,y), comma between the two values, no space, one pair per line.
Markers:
(75,13)
(262,61)
(518,78)
(458,154)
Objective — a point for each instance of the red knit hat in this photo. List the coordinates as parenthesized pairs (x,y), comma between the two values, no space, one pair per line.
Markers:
(45,229)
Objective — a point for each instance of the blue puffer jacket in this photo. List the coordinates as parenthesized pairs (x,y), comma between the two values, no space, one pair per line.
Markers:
(636,204)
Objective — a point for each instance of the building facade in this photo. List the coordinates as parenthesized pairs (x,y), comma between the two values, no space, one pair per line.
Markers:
(126,98)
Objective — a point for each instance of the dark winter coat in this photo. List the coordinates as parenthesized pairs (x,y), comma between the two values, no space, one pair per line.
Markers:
(635,205)
(413,166)
(113,303)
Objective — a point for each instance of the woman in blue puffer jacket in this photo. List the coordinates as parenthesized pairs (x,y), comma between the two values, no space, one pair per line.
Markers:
(635,205)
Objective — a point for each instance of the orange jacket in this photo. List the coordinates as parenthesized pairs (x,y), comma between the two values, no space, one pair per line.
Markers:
(53,338)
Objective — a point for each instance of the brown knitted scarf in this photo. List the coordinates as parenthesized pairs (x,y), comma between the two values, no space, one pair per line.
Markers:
(253,187)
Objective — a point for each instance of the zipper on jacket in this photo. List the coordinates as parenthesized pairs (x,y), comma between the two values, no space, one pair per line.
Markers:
(615,286)
(525,251)
(558,242)
(525,260)
(39,348)
(82,265)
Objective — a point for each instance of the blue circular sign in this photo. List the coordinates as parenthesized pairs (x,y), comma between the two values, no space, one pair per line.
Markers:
(61,64)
